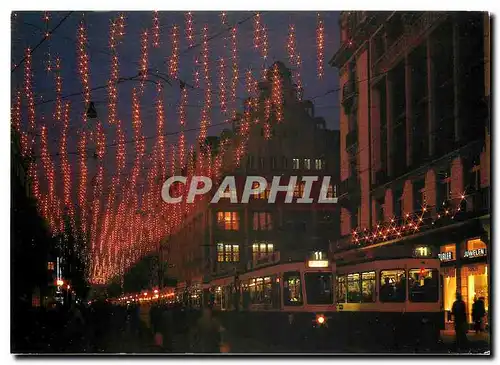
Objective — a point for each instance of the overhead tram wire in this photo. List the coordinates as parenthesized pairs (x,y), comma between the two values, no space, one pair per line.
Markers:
(47,35)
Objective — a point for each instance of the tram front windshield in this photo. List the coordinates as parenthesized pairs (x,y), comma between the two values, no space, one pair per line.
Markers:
(319,288)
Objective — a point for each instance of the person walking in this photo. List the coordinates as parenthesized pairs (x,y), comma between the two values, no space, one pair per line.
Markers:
(478,312)
(460,319)
(207,333)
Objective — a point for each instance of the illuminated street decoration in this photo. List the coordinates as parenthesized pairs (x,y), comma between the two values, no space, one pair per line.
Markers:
(120,213)
(320,45)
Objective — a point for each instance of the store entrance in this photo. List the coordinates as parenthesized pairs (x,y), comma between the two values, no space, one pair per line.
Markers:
(474,279)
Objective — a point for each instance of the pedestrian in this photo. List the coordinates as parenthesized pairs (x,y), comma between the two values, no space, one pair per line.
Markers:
(478,313)
(460,318)
(207,333)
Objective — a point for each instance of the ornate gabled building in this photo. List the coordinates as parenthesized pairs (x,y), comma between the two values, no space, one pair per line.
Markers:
(228,238)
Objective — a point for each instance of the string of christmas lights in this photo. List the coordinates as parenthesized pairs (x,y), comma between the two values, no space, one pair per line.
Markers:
(58,80)
(174,57)
(156,30)
(234,57)
(277,92)
(143,69)
(190,29)
(83,61)
(222,85)
(320,45)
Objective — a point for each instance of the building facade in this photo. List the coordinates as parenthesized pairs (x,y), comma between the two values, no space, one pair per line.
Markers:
(415,139)
(228,238)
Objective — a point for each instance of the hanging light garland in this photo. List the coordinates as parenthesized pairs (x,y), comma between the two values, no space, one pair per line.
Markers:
(143,68)
(83,61)
(222,85)
(277,92)
(156,30)
(234,57)
(174,57)
(82,187)
(320,45)
(190,29)
(182,123)
(28,89)
(257,27)
(16,113)
(58,81)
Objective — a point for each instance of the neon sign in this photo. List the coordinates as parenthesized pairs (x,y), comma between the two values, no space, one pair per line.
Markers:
(446,256)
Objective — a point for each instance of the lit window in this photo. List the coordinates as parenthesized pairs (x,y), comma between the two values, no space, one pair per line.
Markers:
(319,164)
(263,194)
(307,163)
(228,252)
(298,191)
(262,221)
(475,244)
(228,220)
(292,288)
(50,266)
(392,285)
(295,163)
(261,249)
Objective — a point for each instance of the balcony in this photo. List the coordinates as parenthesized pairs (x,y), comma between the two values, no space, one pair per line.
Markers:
(411,37)
(479,202)
(349,185)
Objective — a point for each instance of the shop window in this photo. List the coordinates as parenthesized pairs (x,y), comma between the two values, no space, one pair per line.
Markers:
(353,288)
(475,244)
(392,285)
(262,221)
(261,249)
(449,287)
(424,285)
(341,289)
(368,287)
(448,252)
(292,287)
(228,220)
(475,285)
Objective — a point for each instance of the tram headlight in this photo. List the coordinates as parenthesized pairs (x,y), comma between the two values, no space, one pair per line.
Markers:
(320,319)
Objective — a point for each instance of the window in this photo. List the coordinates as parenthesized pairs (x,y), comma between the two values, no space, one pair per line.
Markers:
(319,288)
(274,165)
(261,162)
(341,289)
(398,202)
(443,189)
(228,252)
(319,164)
(423,285)
(298,190)
(392,285)
(50,265)
(250,162)
(262,221)
(229,221)
(307,163)
(353,288)
(379,209)
(263,194)
(261,249)
(368,287)
(284,162)
(292,288)
(475,244)
(295,163)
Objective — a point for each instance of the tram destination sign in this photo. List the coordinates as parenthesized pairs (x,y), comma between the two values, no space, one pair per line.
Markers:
(469,254)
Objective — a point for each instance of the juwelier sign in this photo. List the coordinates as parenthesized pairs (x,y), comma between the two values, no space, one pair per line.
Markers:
(446,256)
(480,252)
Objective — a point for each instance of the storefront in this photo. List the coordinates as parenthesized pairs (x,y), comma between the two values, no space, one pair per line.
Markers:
(465,273)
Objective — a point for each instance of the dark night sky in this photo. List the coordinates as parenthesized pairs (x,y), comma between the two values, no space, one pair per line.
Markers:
(63,43)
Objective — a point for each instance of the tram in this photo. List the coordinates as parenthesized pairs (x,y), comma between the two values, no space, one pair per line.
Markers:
(390,298)
(276,301)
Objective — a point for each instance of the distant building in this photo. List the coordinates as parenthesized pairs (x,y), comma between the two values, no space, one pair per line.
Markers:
(415,139)
(224,238)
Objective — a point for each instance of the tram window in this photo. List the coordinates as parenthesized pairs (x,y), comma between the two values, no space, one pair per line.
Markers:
(292,288)
(319,288)
(392,285)
(368,287)
(353,288)
(341,289)
(423,285)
